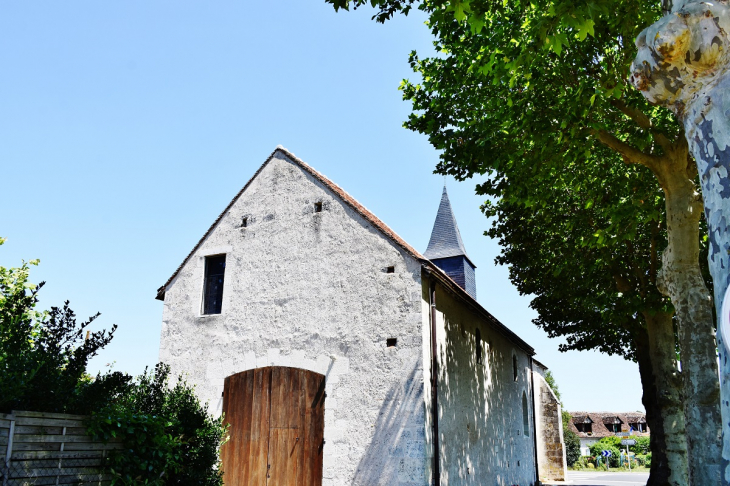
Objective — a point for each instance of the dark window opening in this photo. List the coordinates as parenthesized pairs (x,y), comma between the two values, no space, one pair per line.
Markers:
(215,268)
(585,428)
(318,207)
(391,342)
(525,416)
(390,270)
(478,338)
(638,427)
(613,427)
(244,222)
(514,366)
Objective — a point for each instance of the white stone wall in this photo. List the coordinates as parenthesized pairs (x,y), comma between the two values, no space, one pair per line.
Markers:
(482,439)
(310,290)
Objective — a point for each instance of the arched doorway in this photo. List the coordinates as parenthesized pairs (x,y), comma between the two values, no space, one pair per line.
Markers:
(276,417)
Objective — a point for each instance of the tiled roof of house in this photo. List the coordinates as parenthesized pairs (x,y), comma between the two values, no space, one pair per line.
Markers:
(378,224)
(599,421)
(445,237)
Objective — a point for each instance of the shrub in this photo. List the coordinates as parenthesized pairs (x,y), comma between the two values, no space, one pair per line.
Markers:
(648,460)
(608,444)
(572,446)
(168,436)
(641,446)
(43,355)
(590,465)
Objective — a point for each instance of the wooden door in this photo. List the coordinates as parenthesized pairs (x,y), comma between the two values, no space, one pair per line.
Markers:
(276,417)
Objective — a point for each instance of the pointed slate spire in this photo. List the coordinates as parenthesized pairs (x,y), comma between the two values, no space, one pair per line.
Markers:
(446,249)
(445,237)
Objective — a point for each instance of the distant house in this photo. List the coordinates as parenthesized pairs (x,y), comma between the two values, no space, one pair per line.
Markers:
(593,426)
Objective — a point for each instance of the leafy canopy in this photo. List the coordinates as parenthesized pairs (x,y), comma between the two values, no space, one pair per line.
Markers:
(43,355)
(531,96)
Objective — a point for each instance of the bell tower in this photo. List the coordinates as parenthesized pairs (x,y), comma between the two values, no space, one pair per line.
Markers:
(447,251)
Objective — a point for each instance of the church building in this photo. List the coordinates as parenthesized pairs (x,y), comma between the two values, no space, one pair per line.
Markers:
(340,355)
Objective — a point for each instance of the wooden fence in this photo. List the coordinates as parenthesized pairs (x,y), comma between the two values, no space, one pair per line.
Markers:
(50,448)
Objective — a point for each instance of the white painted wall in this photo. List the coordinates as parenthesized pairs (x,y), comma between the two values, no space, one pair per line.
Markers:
(482,439)
(309,290)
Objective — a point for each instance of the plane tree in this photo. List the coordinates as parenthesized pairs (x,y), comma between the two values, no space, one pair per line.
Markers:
(520,91)
(600,292)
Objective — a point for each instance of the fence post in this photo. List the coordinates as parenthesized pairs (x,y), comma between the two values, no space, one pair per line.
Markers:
(9,452)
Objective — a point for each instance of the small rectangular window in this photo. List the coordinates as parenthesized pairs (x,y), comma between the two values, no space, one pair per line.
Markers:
(215,269)
(391,342)
(318,207)
(244,222)
(390,270)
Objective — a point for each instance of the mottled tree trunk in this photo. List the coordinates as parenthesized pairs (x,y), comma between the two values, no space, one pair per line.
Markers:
(666,468)
(683,64)
(662,401)
(681,279)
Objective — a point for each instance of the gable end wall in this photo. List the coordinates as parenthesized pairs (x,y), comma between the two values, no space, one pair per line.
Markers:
(310,290)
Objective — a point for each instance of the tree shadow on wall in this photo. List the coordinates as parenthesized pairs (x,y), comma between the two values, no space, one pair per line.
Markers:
(482,437)
(397,450)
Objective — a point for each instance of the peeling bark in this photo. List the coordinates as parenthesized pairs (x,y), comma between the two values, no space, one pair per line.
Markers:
(683,64)
(661,399)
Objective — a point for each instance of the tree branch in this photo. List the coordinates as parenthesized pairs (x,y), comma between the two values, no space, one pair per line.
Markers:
(643,121)
(631,155)
(638,116)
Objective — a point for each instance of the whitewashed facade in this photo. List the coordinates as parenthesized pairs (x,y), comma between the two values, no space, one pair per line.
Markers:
(315,281)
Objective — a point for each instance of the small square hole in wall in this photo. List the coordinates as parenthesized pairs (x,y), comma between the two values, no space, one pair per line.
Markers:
(318,207)
(391,342)
(244,222)
(390,270)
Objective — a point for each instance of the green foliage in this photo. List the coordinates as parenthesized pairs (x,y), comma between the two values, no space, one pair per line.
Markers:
(641,446)
(572,447)
(525,96)
(168,435)
(43,355)
(550,380)
(608,444)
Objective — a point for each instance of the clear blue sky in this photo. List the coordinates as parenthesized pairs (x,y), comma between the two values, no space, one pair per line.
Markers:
(126,127)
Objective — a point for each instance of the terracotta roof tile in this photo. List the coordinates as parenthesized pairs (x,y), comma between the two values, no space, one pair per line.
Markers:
(599,420)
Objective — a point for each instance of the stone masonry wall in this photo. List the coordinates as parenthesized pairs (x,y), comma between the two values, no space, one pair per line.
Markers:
(310,290)
(551,458)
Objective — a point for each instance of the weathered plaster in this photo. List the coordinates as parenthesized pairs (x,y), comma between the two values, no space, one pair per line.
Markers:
(481,433)
(310,290)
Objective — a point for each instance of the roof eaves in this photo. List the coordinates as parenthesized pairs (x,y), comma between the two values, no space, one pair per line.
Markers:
(448,282)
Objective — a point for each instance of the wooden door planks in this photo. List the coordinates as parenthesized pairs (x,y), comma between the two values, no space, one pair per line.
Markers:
(276,417)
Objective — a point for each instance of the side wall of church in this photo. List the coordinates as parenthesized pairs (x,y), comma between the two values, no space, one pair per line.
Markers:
(311,290)
(486,428)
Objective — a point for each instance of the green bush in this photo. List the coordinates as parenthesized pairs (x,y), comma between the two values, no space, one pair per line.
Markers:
(641,446)
(43,355)
(572,447)
(607,444)
(168,436)
(648,460)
